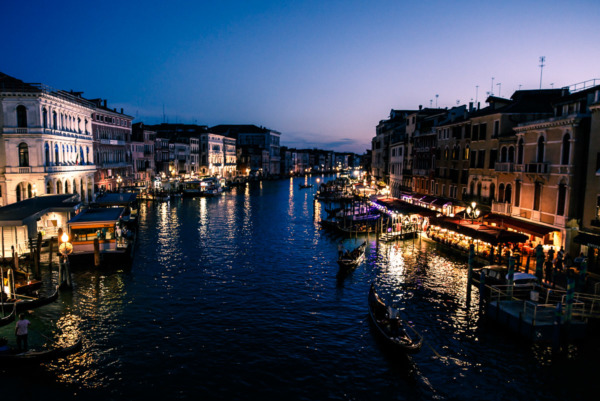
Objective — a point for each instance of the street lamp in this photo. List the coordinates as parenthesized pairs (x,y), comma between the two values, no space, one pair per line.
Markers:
(473,212)
(65,249)
(119,181)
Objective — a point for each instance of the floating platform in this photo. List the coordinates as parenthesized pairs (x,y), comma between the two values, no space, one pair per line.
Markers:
(534,321)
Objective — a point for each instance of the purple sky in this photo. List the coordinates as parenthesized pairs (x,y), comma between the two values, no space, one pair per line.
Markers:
(323,73)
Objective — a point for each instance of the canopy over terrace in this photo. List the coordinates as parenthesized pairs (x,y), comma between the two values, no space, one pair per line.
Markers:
(405,208)
(489,234)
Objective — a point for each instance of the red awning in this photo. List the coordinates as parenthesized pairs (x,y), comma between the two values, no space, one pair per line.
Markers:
(525,226)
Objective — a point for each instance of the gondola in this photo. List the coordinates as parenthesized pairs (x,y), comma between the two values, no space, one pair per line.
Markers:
(21,304)
(398,337)
(10,317)
(350,260)
(33,357)
(303,186)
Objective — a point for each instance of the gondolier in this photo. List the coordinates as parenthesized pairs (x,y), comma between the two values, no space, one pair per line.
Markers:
(341,249)
(21,332)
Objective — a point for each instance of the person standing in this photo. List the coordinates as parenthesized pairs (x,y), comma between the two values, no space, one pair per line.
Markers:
(21,331)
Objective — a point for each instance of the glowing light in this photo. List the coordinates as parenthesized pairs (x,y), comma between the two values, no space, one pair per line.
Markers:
(64,237)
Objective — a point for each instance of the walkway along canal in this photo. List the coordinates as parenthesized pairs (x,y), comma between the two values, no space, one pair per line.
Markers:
(236,297)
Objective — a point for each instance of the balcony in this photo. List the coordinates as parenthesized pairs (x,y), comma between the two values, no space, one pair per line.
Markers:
(538,168)
(502,208)
(506,167)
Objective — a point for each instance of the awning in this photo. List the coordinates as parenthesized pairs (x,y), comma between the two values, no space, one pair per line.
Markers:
(441,202)
(491,235)
(588,239)
(427,199)
(528,227)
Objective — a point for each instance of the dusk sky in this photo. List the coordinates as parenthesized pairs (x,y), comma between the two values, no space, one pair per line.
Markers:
(323,73)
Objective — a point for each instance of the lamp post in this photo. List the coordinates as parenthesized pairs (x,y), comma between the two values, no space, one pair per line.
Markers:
(473,212)
(119,181)
(64,273)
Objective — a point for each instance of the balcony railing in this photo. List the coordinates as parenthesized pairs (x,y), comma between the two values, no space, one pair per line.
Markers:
(538,168)
(505,167)
(501,207)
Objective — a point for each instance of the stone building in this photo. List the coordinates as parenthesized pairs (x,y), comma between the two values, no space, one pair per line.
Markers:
(47,142)
(112,135)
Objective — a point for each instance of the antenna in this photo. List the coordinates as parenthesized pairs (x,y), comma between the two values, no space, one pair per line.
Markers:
(499,87)
(492,91)
(430,103)
(542,59)
(476,92)
(520,86)
(436,98)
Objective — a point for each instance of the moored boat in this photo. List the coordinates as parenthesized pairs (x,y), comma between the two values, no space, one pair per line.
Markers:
(393,330)
(33,357)
(26,303)
(350,260)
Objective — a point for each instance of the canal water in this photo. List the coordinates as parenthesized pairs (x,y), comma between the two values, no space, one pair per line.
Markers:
(237,297)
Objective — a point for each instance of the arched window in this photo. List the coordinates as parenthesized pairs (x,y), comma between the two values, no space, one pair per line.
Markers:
(520,150)
(29,191)
(67,187)
(58,187)
(492,191)
(54,120)
(511,154)
(562,199)
(540,150)
(49,187)
(56,154)
(508,193)
(566,150)
(87,155)
(501,193)
(472,188)
(537,194)
(23,155)
(18,193)
(517,193)
(503,155)
(47,154)
(479,189)
(21,116)
(45,117)
(74,186)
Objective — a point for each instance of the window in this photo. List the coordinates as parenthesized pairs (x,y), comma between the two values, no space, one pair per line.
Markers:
(493,156)
(511,154)
(537,194)
(520,149)
(496,128)
(482,132)
(45,117)
(23,155)
(562,199)
(508,193)
(466,154)
(517,193)
(540,150)
(47,154)
(54,120)
(566,150)
(481,159)
(21,116)
(501,193)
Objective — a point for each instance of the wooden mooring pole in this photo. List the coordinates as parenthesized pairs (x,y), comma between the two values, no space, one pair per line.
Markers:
(470,272)
(96,252)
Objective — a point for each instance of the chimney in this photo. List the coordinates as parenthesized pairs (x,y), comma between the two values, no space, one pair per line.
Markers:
(121,110)
(420,107)
(104,102)
(470,106)
(478,105)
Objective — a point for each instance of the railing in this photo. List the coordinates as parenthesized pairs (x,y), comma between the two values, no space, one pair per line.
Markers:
(505,167)
(538,168)
(21,130)
(501,207)
(24,170)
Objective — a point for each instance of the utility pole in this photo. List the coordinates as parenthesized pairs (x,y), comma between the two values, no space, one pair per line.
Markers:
(542,59)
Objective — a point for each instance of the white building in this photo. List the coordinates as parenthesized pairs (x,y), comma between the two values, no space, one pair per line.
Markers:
(217,155)
(46,145)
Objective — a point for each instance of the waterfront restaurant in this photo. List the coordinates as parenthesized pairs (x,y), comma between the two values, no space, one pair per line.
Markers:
(20,222)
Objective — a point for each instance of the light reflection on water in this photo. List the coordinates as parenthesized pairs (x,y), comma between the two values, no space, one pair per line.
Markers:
(238,297)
